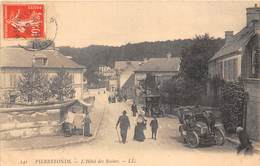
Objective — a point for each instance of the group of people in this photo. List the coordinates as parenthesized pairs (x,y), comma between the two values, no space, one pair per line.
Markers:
(141,123)
(76,124)
(116,98)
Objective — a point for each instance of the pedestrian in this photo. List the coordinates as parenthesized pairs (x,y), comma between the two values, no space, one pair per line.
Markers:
(87,122)
(134,109)
(154,126)
(125,98)
(245,143)
(139,128)
(109,99)
(124,124)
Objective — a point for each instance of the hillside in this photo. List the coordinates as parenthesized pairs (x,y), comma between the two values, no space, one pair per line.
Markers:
(96,55)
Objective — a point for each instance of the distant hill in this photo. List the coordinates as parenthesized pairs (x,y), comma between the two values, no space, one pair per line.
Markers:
(96,55)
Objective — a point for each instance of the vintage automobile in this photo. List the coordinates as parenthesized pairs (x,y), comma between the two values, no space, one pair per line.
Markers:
(198,127)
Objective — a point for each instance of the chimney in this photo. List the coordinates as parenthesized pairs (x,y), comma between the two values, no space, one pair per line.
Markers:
(252,14)
(228,36)
(169,55)
(146,60)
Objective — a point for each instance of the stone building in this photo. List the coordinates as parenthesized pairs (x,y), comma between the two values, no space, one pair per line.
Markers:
(239,58)
(125,80)
(161,69)
(15,60)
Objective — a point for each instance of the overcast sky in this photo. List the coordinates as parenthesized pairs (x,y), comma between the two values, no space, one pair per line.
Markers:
(117,23)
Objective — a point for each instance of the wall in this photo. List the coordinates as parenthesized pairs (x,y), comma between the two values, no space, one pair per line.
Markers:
(128,88)
(23,124)
(253,108)
(215,69)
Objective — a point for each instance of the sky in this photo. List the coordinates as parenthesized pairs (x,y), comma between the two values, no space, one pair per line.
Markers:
(116,23)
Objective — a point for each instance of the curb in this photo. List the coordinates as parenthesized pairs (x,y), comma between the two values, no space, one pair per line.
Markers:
(236,142)
(68,143)
(233,141)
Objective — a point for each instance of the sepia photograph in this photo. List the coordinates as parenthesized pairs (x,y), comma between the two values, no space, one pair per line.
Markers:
(129,83)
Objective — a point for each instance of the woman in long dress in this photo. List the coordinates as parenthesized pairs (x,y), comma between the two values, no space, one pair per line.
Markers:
(87,122)
(139,128)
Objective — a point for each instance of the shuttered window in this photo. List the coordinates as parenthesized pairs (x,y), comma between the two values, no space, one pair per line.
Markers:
(231,69)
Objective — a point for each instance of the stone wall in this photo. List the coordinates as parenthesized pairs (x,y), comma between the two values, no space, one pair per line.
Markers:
(23,124)
(30,121)
(253,108)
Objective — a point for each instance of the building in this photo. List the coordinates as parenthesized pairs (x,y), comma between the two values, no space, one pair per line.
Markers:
(125,80)
(106,71)
(239,58)
(161,69)
(15,60)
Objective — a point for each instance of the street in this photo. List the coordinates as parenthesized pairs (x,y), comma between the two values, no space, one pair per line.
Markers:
(168,134)
(107,149)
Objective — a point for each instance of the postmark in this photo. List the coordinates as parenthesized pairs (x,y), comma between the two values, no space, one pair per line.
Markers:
(23,21)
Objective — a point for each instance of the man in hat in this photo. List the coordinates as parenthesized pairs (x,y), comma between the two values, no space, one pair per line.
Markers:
(124,124)
(154,127)
(245,143)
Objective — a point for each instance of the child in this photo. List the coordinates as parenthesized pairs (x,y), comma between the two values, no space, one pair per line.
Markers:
(154,127)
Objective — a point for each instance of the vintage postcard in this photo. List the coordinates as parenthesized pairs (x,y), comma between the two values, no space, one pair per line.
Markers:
(129,83)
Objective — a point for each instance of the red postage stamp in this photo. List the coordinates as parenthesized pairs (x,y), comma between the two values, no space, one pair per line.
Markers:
(23,20)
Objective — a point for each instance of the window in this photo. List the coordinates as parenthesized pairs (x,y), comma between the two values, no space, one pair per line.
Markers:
(253,64)
(231,69)
(13,80)
(40,61)
(219,69)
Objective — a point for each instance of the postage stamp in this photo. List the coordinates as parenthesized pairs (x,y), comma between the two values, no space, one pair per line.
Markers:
(23,20)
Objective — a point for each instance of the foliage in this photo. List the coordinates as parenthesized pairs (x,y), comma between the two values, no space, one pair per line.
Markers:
(171,91)
(216,84)
(61,85)
(232,106)
(96,55)
(194,59)
(33,86)
(189,87)
(180,91)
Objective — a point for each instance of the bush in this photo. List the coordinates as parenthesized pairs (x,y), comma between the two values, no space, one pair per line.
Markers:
(233,100)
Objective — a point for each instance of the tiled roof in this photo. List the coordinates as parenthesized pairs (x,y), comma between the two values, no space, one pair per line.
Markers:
(19,57)
(122,65)
(161,65)
(238,41)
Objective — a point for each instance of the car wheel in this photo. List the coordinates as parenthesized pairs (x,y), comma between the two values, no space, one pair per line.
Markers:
(193,139)
(182,135)
(219,137)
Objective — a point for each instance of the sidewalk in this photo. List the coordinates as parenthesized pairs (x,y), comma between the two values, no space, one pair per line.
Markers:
(234,140)
(58,140)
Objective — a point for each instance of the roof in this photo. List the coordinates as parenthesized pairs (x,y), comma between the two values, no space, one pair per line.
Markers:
(122,65)
(161,65)
(124,77)
(19,57)
(238,41)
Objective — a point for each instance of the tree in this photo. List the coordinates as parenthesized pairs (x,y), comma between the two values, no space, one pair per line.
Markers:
(61,85)
(194,60)
(194,66)
(189,87)
(33,86)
